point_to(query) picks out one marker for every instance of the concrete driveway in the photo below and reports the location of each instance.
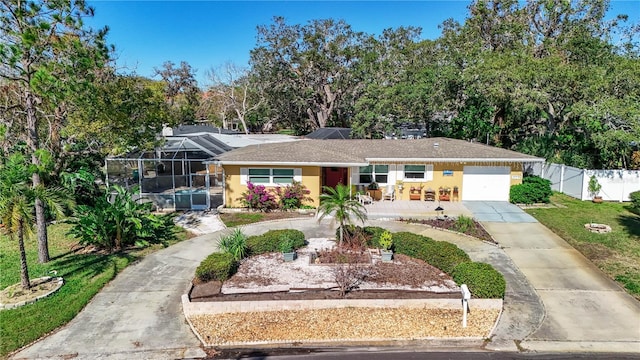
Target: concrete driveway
(498, 211)
(584, 309)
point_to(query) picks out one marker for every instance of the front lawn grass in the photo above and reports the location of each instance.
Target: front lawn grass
(616, 253)
(84, 276)
(245, 218)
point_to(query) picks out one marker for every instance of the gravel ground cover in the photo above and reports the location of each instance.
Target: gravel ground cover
(269, 273)
(350, 324)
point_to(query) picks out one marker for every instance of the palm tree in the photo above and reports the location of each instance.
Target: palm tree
(17, 204)
(338, 202)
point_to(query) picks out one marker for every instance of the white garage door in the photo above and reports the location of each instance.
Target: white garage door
(486, 183)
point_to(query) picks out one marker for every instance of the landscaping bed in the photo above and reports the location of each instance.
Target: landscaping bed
(473, 228)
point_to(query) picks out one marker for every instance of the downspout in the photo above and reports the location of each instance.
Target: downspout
(106, 172)
(207, 183)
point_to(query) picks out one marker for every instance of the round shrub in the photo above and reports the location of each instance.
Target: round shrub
(533, 189)
(217, 266)
(270, 241)
(482, 279)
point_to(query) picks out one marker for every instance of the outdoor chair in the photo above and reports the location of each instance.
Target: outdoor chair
(364, 199)
(390, 193)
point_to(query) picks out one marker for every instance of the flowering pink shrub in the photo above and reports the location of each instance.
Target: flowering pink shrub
(292, 196)
(257, 197)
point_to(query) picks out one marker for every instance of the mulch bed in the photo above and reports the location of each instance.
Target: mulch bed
(403, 271)
(476, 231)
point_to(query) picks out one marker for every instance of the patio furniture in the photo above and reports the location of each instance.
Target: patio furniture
(414, 193)
(444, 194)
(389, 194)
(429, 195)
(375, 194)
(456, 194)
(364, 199)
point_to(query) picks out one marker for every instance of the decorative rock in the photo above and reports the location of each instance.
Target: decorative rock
(598, 228)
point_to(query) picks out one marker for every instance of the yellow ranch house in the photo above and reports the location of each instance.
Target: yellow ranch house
(420, 169)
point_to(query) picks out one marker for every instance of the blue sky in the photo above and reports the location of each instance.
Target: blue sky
(207, 34)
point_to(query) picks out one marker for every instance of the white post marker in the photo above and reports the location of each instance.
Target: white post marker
(466, 295)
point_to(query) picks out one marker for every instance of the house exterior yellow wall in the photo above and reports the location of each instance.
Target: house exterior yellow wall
(311, 178)
(439, 180)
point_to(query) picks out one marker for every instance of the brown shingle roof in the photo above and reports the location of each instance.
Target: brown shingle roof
(359, 152)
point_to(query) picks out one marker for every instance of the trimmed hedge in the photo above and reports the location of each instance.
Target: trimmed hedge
(217, 266)
(482, 279)
(533, 189)
(635, 202)
(441, 254)
(270, 241)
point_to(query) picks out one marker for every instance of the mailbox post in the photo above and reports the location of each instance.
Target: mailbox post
(466, 295)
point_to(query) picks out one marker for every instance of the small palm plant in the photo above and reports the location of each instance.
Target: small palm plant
(17, 203)
(235, 244)
(339, 202)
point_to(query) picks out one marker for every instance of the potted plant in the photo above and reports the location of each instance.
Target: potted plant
(287, 247)
(594, 189)
(374, 191)
(386, 242)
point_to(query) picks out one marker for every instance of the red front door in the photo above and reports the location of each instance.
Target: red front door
(333, 176)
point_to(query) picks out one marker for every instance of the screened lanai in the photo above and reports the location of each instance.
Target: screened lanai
(174, 176)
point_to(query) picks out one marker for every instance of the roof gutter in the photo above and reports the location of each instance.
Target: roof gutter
(286, 163)
(421, 160)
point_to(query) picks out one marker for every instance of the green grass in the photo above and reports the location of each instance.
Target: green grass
(616, 253)
(84, 275)
(236, 219)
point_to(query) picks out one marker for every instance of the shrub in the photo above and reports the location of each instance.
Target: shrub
(373, 235)
(463, 224)
(635, 201)
(234, 244)
(270, 241)
(258, 197)
(443, 255)
(287, 244)
(533, 189)
(217, 266)
(482, 279)
(411, 244)
(386, 240)
(117, 221)
(292, 196)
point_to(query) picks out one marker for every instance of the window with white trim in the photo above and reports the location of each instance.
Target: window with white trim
(418, 172)
(267, 176)
(371, 173)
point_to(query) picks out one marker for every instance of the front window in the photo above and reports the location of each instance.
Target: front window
(271, 176)
(371, 173)
(414, 172)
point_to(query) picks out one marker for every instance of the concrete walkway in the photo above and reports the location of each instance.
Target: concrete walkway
(585, 310)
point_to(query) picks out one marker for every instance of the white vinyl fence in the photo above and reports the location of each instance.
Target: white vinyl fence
(616, 184)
